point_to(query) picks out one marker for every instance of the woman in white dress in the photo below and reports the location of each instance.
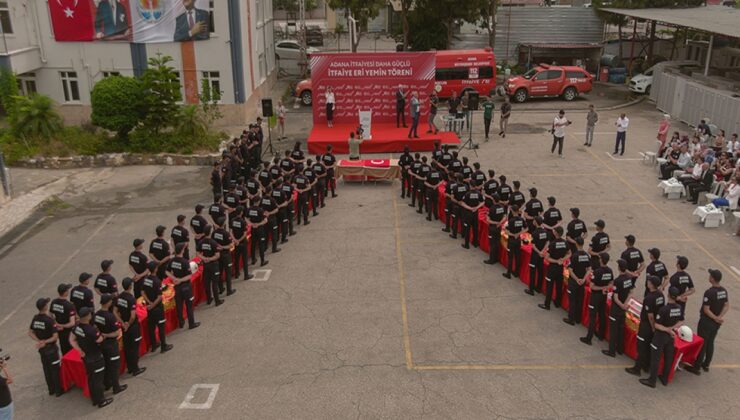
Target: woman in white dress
(329, 107)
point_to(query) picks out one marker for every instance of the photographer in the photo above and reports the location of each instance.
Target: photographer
(6, 402)
(558, 132)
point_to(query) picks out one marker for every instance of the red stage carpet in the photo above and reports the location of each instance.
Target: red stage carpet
(386, 139)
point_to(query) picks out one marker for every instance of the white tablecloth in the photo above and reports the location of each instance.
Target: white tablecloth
(703, 211)
(671, 186)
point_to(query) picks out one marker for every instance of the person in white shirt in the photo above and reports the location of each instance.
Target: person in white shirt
(329, 107)
(733, 145)
(622, 123)
(731, 195)
(558, 132)
(281, 119)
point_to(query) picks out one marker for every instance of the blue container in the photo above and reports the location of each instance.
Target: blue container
(618, 70)
(618, 79)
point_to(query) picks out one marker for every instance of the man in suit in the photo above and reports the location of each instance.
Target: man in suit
(110, 19)
(400, 106)
(193, 24)
(704, 184)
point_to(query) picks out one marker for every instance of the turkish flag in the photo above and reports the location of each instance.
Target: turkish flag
(72, 19)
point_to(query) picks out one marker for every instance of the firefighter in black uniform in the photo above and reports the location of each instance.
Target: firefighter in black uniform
(180, 234)
(179, 272)
(421, 177)
(225, 242)
(461, 188)
(257, 219)
(516, 196)
(137, 263)
(160, 252)
(404, 162)
(504, 191)
(216, 210)
(602, 280)
(330, 163)
(633, 257)
(312, 179)
(85, 339)
(44, 332)
(209, 254)
(287, 189)
(431, 184)
(413, 177)
(557, 253)
(110, 329)
(198, 223)
(125, 311)
(540, 238)
(599, 243)
(496, 217)
(65, 316)
(580, 267)
(651, 304)
(682, 281)
(623, 286)
(239, 230)
(514, 228)
(669, 318)
(151, 291)
(576, 229)
(490, 187)
(551, 216)
(303, 186)
(470, 203)
(532, 209)
(656, 268)
(270, 208)
(81, 296)
(105, 282)
(714, 307)
(320, 170)
(449, 204)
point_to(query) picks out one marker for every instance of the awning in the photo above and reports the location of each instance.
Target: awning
(720, 20)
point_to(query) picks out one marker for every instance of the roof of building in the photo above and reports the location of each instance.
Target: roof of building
(560, 46)
(719, 20)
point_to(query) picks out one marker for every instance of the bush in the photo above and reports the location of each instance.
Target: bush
(34, 117)
(144, 141)
(8, 89)
(117, 104)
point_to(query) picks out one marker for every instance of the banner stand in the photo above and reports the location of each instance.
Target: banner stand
(366, 118)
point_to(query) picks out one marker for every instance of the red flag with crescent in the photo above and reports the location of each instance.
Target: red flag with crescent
(72, 20)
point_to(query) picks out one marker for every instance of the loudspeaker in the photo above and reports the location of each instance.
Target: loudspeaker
(473, 99)
(267, 107)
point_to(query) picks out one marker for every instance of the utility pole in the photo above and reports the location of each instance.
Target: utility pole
(302, 37)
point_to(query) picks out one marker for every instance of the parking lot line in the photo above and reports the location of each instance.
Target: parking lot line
(402, 285)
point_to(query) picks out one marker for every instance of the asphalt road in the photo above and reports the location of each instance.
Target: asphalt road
(372, 312)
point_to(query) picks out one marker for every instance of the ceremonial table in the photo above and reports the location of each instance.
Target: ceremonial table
(368, 169)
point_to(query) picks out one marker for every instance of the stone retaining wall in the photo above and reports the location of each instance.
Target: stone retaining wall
(117, 159)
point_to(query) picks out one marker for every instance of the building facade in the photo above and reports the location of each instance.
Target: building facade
(237, 59)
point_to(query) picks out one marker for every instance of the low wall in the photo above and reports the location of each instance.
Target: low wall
(117, 159)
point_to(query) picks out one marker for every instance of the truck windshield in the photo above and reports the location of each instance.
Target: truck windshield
(528, 75)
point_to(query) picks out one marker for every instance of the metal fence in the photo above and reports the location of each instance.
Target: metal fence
(690, 101)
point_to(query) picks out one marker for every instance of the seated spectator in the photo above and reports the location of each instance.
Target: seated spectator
(704, 184)
(694, 146)
(719, 142)
(723, 167)
(666, 169)
(704, 131)
(731, 195)
(694, 174)
(733, 146)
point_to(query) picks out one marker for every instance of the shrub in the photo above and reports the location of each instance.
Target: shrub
(118, 104)
(8, 89)
(35, 117)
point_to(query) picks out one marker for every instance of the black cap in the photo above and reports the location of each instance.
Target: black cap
(62, 288)
(126, 283)
(85, 276)
(41, 303)
(630, 239)
(715, 274)
(152, 265)
(575, 211)
(655, 281)
(622, 264)
(84, 311)
(106, 298)
(655, 252)
(600, 223)
(674, 292)
(137, 242)
(105, 264)
(682, 261)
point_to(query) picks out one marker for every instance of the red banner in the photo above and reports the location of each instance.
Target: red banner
(368, 81)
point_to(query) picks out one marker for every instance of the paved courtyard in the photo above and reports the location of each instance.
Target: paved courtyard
(373, 312)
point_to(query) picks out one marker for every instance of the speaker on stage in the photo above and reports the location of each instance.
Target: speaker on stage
(267, 107)
(473, 100)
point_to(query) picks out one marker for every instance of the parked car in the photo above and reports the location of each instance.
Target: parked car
(644, 81)
(303, 91)
(290, 49)
(314, 36)
(548, 81)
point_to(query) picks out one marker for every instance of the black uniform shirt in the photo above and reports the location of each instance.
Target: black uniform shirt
(405, 160)
(297, 155)
(309, 173)
(669, 315)
(43, 326)
(472, 198)
(253, 187)
(450, 188)
(198, 222)
(445, 159)
(455, 165)
(504, 192)
(634, 258)
(286, 165)
(208, 247)
(159, 248)
(496, 213)
(576, 228)
(656, 268)
(517, 198)
(715, 298)
(539, 238)
(424, 170)
(460, 190)
(466, 172)
(552, 216)
(126, 303)
(216, 178)
(106, 283)
(602, 276)
(415, 167)
(329, 160)
(216, 210)
(558, 248)
(238, 227)
(479, 177)
(580, 262)
(515, 225)
(264, 177)
(180, 234)
(231, 200)
(87, 336)
(490, 187)
(288, 191)
(255, 214)
(152, 287)
(81, 297)
(622, 286)
(319, 169)
(434, 178)
(651, 304)
(278, 196)
(105, 321)
(437, 154)
(275, 172)
(599, 242)
(268, 203)
(63, 310)
(180, 267)
(138, 261)
(682, 281)
(533, 208)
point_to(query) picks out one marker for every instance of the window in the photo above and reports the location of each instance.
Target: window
(549, 75)
(263, 66)
(211, 20)
(574, 74)
(451, 74)
(485, 72)
(259, 14)
(70, 85)
(27, 83)
(5, 26)
(107, 74)
(213, 78)
(289, 45)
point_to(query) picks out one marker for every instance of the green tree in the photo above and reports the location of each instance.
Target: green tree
(405, 11)
(488, 19)
(191, 124)
(362, 11)
(209, 103)
(448, 13)
(8, 89)
(34, 117)
(161, 92)
(118, 104)
(422, 39)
